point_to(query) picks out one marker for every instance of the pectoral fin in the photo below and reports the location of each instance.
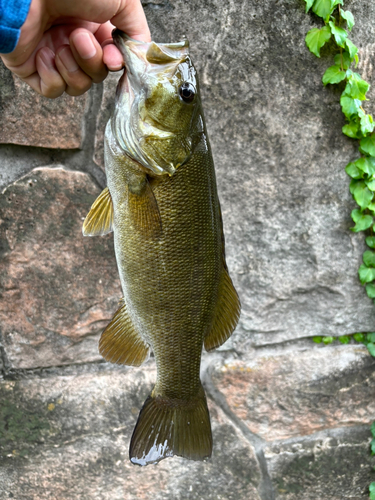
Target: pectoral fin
(121, 343)
(227, 313)
(144, 209)
(99, 221)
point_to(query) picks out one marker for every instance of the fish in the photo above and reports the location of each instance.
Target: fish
(161, 203)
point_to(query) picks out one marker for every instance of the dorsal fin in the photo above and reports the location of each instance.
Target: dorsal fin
(228, 306)
(227, 314)
(99, 221)
(121, 343)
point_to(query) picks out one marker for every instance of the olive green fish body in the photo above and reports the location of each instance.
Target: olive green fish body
(162, 205)
(170, 282)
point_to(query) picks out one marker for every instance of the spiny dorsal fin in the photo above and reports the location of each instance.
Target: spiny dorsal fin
(99, 221)
(227, 314)
(121, 343)
(144, 210)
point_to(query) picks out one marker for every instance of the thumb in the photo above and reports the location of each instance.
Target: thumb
(131, 19)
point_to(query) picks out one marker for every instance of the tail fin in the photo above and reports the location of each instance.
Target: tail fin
(168, 427)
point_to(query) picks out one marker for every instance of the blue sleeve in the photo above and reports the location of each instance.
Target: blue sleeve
(13, 14)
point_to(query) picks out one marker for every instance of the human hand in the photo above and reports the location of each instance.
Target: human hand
(66, 45)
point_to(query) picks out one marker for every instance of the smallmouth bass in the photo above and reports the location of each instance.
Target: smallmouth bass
(161, 203)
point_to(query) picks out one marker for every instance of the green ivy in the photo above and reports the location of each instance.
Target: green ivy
(360, 126)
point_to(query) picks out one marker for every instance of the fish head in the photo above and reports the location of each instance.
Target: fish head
(157, 118)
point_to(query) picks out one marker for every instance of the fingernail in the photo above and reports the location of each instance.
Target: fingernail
(84, 45)
(68, 60)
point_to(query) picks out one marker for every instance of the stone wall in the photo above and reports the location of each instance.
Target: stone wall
(290, 418)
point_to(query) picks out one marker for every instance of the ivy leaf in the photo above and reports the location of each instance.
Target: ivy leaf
(372, 428)
(328, 340)
(349, 106)
(334, 74)
(359, 337)
(362, 194)
(316, 38)
(356, 214)
(370, 290)
(371, 337)
(371, 207)
(371, 350)
(371, 185)
(339, 33)
(366, 274)
(367, 145)
(322, 8)
(343, 59)
(336, 2)
(353, 171)
(348, 16)
(356, 87)
(372, 491)
(351, 129)
(367, 125)
(369, 258)
(344, 339)
(366, 164)
(352, 49)
(309, 5)
(352, 185)
(317, 340)
(363, 223)
(370, 241)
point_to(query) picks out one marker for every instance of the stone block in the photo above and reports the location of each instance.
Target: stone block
(297, 393)
(68, 437)
(336, 466)
(29, 119)
(59, 289)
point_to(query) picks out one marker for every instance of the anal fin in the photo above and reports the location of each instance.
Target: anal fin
(144, 210)
(226, 316)
(121, 343)
(99, 221)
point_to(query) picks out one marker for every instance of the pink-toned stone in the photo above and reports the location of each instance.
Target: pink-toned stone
(106, 109)
(59, 289)
(32, 120)
(301, 392)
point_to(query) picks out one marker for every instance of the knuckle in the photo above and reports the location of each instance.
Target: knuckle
(77, 90)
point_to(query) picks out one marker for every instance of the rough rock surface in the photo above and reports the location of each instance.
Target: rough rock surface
(300, 392)
(335, 466)
(290, 418)
(33, 120)
(69, 439)
(59, 289)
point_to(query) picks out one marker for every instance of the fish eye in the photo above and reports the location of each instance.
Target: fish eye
(187, 92)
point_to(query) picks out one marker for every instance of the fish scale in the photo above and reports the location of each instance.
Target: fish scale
(161, 203)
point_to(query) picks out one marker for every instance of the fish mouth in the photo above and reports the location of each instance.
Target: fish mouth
(135, 51)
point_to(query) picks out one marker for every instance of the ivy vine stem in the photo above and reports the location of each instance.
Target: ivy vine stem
(359, 126)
